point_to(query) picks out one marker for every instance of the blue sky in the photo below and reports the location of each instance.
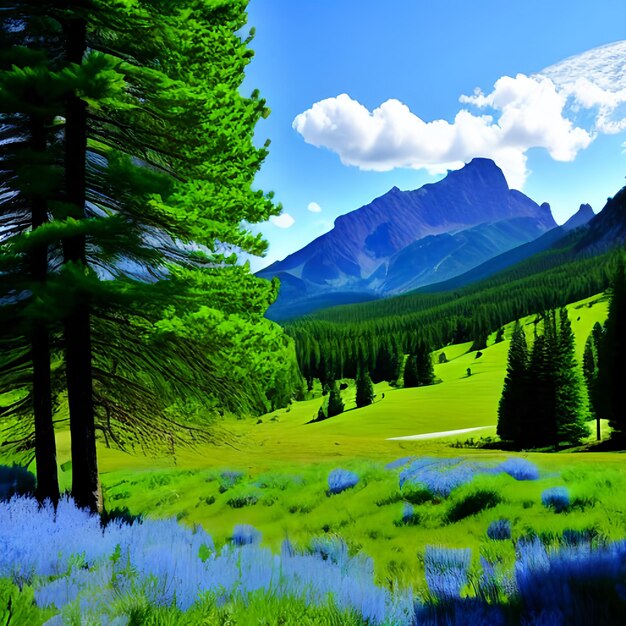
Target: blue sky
(367, 95)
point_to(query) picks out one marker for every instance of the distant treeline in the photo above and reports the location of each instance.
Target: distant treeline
(334, 343)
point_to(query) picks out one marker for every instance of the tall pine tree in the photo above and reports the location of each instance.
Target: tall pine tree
(157, 157)
(411, 373)
(364, 388)
(511, 412)
(570, 413)
(335, 403)
(611, 371)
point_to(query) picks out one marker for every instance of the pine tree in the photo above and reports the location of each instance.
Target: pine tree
(570, 416)
(364, 388)
(156, 147)
(511, 412)
(411, 374)
(611, 372)
(499, 335)
(590, 374)
(30, 97)
(539, 428)
(424, 363)
(388, 363)
(335, 403)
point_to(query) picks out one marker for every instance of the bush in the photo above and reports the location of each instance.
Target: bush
(499, 529)
(228, 479)
(439, 476)
(473, 503)
(573, 585)
(240, 501)
(415, 494)
(556, 498)
(15, 480)
(520, 469)
(339, 480)
(446, 571)
(245, 535)
(409, 516)
(332, 549)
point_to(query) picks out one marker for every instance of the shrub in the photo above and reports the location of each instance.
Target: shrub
(439, 476)
(244, 535)
(520, 469)
(409, 516)
(339, 480)
(15, 480)
(556, 498)
(332, 549)
(499, 529)
(415, 494)
(574, 538)
(446, 571)
(228, 479)
(473, 503)
(240, 501)
(573, 585)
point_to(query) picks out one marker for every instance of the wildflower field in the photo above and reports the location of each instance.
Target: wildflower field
(419, 540)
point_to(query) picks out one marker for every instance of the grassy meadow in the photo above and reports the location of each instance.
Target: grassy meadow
(274, 474)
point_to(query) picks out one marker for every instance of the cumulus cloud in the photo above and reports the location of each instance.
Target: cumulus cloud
(314, 207)
(520, 113)
(284, 220)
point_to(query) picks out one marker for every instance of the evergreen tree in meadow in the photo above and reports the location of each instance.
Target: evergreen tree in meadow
(388, 362)
(424, 364)
(411, 374)
(364, 388)
(31, 95)
(153, 147)
(590, 375)
(542, 402)
(335, 403)
(512, 413)
(612, 348)
(570, 414)
(540, 428)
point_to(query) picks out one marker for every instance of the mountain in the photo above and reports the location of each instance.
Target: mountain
(438, 257)
(583, 216)
(405, 239)
(607, 229)
(501, 262)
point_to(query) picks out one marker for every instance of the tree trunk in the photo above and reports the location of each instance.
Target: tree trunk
(45, 444)
(85, 483)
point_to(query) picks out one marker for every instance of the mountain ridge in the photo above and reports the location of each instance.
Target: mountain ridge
(366, 251)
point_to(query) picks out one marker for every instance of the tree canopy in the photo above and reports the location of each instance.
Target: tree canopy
(128, 161)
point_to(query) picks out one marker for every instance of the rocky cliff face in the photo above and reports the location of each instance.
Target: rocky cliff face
(430, 232)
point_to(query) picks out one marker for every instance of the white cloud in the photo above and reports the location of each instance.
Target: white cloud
(284, 220)
(519, 114)
(595, 82)
(314, 207)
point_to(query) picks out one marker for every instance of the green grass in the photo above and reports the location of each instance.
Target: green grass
(285, 464)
